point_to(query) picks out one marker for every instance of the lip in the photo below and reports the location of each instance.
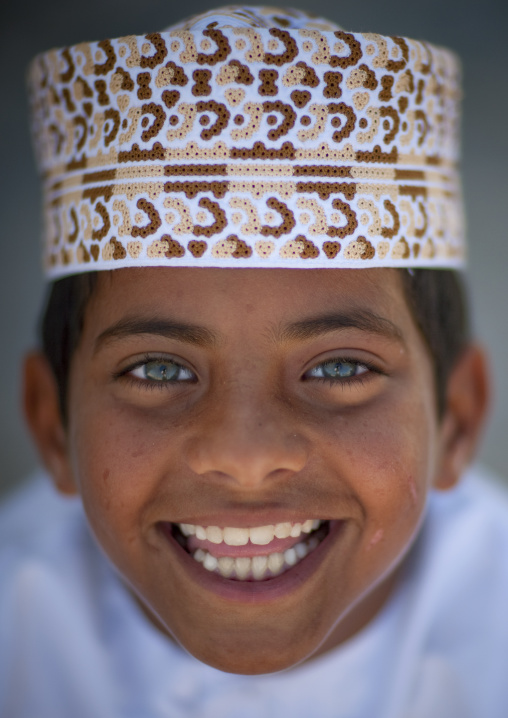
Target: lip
(242, 519)
(254, 592)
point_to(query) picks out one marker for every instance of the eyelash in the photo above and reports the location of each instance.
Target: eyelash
(354, 381)
(146, 384)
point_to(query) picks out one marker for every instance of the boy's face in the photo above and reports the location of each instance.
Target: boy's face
(247, 398)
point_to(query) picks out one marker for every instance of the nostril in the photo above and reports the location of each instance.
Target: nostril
(248, 460)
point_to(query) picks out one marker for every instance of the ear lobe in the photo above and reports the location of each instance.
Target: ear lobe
(44, 419)
(467, 401)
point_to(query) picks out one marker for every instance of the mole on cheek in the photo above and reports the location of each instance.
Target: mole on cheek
(413, 490)
(105, 476)
(376, 538)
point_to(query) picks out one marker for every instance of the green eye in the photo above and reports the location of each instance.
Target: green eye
(161, 371)
(338, 369)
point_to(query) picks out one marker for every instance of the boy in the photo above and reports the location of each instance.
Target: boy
(261, 453)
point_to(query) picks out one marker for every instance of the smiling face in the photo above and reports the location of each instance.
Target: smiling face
(211, 399)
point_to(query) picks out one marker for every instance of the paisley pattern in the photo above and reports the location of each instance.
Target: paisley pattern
(286, 144)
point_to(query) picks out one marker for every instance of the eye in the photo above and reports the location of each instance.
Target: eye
(337, 369)
(161, 371)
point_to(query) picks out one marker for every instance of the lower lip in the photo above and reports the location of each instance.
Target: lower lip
(254, 592)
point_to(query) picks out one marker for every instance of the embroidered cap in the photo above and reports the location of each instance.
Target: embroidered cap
(249, 137)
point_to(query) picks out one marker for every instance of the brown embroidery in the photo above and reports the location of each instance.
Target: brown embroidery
(423, 126)
(310, 78)
(399, 65)
(259, 151)
(67, 75)
(93, 193)
(197, 248)
(144, 91)
(243, 74)
(112, 116)
(333, 81)
(108, 65)
(202, 83)
(391, 133)
(300, 97)
(385, 94)
(82, 124)
(222, 52)
(413, 191)
(82, 88)
(331, 249)
(288, 114)
(268, 86)
(377, 155)
(159, 116)
(288, 219)
(219, 216)
(72, 236)
(348, 126)
(82, 255)
(222, 113)
(126, 80)
(102, 95)
(326, 189)
(403, 103)
(322, 171)
(195, 170)
(288, 55)
(176, 74)
(170, 98)
(355, 49)
(386, 231)
(135, 154)
(419, 93)
(174, 249)
(118, 249)
(155, 221)
(160, 54)
(349, 214)
(242, 251)
(309, 250)
(191, 189)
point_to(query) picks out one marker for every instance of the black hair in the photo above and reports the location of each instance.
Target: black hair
(436, 299)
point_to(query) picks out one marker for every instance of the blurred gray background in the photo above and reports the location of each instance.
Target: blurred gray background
(476, 30)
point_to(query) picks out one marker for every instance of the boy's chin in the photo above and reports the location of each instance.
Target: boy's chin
(248, 651)
(263, 654)
(271, 645)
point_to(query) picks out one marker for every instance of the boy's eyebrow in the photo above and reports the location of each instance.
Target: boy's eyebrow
(130, 326)
(362, 319)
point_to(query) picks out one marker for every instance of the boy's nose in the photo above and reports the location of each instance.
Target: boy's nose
(247, 440)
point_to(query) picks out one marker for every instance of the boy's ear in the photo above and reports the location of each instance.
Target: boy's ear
(467, 399)
(43, 416)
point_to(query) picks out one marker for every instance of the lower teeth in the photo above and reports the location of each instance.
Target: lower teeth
(256, 568)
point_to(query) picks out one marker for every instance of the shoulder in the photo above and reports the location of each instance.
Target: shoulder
(52, 583)
(476, 511)
(45, 549)
(31, 509)
(465, 538)
(456, 587)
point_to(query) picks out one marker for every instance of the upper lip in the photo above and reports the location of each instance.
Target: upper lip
(243, 520)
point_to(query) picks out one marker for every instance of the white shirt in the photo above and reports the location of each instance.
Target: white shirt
(74, 644)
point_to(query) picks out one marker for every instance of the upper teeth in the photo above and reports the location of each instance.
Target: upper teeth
(259, 535)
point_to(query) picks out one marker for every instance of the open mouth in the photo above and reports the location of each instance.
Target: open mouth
(251, 554)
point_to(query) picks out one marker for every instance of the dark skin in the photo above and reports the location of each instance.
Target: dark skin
(251, 429)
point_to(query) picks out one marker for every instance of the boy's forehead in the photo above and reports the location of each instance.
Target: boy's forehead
(285, 304)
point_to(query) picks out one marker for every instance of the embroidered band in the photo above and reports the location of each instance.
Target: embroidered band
(260, 138)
